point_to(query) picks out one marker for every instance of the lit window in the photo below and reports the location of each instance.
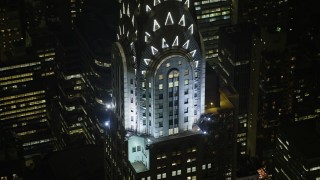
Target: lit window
(154, 50)
(147, 61)
(186, 82)
(160, 86)
(170, 84)
(147, 37)
(193, 53)
(187, 3)
(188, 170)
(160, 77)
(190, 29)
(209, 166)
(175, 74)
(174, 173)
(176, 130)
(178, 172)
(186, 45)
(176, 41)
(156, 2)
(169, 20)
(170, 75)
(148, 8)
(203, 167)
(182, 21)
(168, 65)
(156, 25)
(164, 175)
(170, 131)
(164, 43)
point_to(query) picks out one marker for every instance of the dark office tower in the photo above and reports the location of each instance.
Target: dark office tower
(297, 155)
(273, 13)
(234, 69)
(240, 9)
(10, 26)
(71, 118)
(220, 122)
(34, 14)
(269, 81)
(68, 10)
(84, 78)
(23, 101)
(95, 36)
(211, 15)
(51, 13)
(304, 86)
(11, 159)
(158, 93)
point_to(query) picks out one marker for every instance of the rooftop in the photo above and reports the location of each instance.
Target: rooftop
(139, 166)
(224, 103)
(154, 140)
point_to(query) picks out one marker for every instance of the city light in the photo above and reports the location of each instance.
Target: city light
(107, 123)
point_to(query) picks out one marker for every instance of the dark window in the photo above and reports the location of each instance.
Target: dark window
(160, 124)
(186, 119)
(160, 96)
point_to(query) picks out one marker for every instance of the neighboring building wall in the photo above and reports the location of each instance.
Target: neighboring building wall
(234, 69)
(23, 104)
(211, 15)
(10, 27)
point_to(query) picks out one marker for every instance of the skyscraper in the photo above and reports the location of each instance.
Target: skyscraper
(234, 69)
(269, 76)
(159, 96)
(211, 15)
(23, 102)
(10, 26)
